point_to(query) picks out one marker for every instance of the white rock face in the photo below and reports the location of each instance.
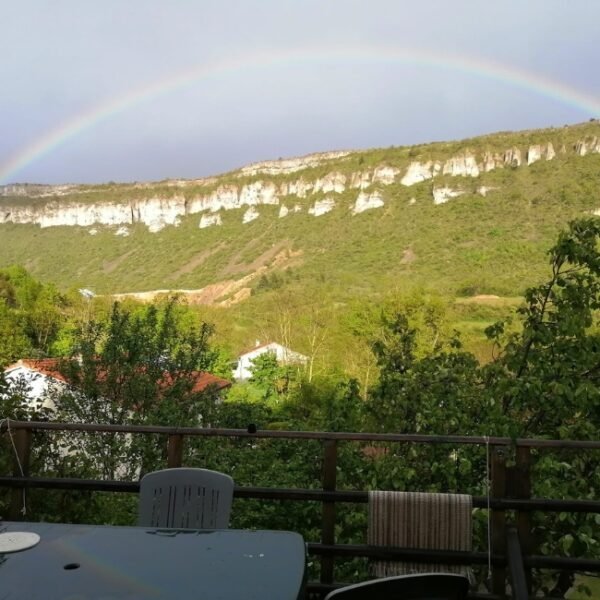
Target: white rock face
(465, 166)
(122, 231)
(417, 172)
(360, 180)
(321, 207)
(587, 146)
(209, 221)
(224, 197)
(56, 214)
(367, 202)
(259, 192)
(228, 197)
(250, 215)
(153, 212)
(283, 211)
(512, 157)
(300, 188)
(385, 175)
(443, 194)
(488, 164)
(581, 148)
(534, 154)
(332, 182)
(156, 213)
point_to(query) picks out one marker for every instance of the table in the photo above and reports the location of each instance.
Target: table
(77, 562)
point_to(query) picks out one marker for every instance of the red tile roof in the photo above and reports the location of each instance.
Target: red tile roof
(50, 368)
(45, 366)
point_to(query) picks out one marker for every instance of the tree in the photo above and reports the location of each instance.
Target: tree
(31, 314)
(544, 383)
(138, 367)
(14, 342)
(273, 381)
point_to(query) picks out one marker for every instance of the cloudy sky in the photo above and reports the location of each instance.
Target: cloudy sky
(128, 90)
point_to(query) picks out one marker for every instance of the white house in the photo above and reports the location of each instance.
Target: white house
(40, 377)
(284, 355)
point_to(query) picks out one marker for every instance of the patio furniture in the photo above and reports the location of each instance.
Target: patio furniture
(97, 562)
(421, 521)
(424, 586)
(185, 498)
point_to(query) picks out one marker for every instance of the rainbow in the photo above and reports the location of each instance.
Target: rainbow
(505, 74)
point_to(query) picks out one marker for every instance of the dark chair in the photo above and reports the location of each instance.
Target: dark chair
(424, 586)
(185, 499)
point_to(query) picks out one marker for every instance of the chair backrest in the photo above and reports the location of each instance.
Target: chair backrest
(185, 498)
(420, 521)
(430, 586)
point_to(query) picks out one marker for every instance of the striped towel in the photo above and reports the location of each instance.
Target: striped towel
(422, 521)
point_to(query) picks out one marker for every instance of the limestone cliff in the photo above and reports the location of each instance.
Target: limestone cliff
(284, 183)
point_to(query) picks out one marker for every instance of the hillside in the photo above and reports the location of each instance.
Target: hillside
(467, 217)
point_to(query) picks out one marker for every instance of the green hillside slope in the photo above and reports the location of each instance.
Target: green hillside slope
(492, 244)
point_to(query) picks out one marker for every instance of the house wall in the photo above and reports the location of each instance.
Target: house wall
(39, 385)
(284, 356)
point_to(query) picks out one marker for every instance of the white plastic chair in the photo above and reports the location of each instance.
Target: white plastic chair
(185, 498)
(430, 586)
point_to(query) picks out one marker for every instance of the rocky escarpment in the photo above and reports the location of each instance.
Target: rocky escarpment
(290, 165)
(28, 190)
(275, 184)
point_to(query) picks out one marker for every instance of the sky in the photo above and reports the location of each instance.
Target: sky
(139, 90)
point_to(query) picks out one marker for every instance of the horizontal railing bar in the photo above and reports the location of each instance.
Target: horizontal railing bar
(394, 553)
(315, 435)
(67, 483)
(449, 556)
(559, 562)
(264, 493)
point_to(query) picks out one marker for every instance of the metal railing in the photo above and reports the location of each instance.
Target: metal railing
(512, 544)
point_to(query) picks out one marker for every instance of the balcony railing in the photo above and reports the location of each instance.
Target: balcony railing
(512, 550)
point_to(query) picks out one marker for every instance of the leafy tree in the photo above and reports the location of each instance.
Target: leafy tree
(546, 378)
(14, 342)
(544, 383)
(33, 311)
(137, 368)
(273, 380)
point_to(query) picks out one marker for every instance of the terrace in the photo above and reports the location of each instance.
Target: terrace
(508, 470)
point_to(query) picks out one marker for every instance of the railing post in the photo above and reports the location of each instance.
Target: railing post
(522, 490)
(22, 443)
(175, 450)
(328, 526)
(518, 581)
(498, 518)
